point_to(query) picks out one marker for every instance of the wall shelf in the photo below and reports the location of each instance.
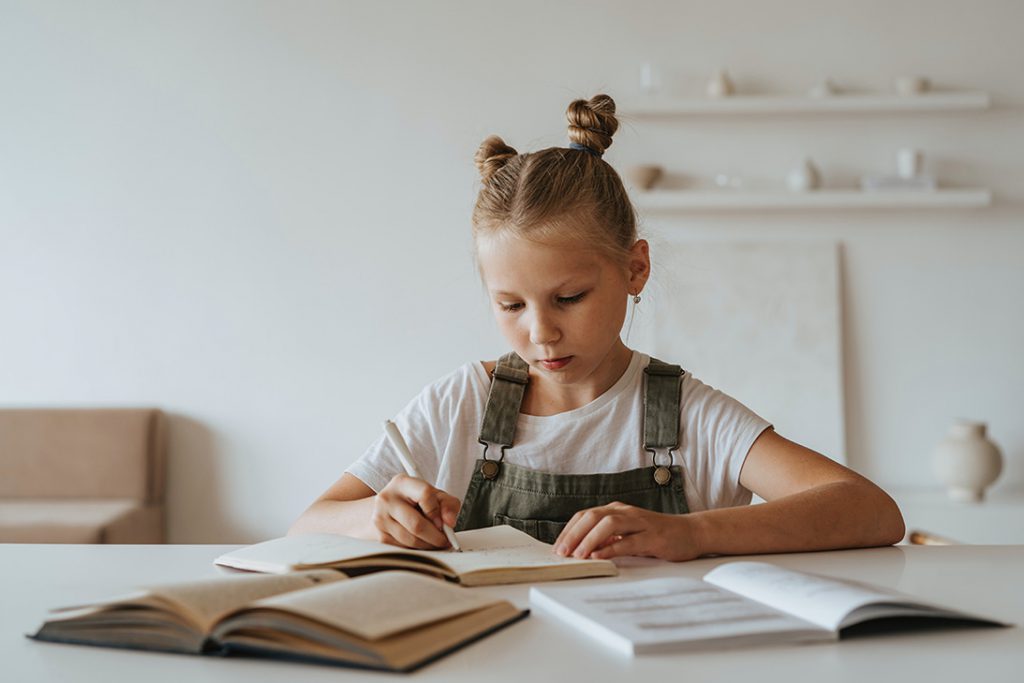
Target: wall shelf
(790, 104)
(998, 520)
(725, 200)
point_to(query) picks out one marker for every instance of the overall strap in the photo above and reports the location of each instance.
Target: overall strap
(662, 395)
(510, 377)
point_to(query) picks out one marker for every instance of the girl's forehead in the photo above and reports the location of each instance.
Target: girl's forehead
(511, 248)
(509, 263)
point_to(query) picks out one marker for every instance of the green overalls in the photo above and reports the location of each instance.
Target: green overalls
(541, 503)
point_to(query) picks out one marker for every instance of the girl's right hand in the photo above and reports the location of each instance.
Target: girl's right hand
(410, 512)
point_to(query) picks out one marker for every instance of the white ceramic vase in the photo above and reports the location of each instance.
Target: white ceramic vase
(720, 85)
(804, 177)
(909, 163)
(966, 461)
(824, 88)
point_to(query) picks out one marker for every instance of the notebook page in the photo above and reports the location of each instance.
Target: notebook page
(501, 547)
(378, 605)
(498, 547)
(821, 600)
(494, 537)
(279, 555)
(653, 614)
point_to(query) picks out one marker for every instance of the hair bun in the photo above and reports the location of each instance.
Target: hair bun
(492, 156)
(592, 122)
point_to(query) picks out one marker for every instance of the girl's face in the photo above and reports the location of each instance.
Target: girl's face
(561, 307)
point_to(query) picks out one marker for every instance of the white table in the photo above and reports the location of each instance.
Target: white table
(983, 579)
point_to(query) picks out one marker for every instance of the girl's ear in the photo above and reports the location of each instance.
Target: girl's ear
(639, 266)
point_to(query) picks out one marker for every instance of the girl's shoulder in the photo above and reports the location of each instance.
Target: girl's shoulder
(468, 378)
(452, 394)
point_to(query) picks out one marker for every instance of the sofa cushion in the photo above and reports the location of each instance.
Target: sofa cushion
(62, 521)
(82, 453)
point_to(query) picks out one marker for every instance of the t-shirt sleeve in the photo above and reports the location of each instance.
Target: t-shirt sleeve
(425, 425)
(722, 430)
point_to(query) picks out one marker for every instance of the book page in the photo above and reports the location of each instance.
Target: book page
(201, 603)
(653, 614)
(378, 605)
(209, 600)
(819, 599)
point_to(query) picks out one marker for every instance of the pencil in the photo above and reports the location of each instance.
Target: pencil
(398, 441)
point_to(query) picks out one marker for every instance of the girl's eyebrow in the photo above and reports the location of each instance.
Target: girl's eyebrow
(575, 279)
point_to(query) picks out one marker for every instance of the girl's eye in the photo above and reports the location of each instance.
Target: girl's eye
(510, 308)
(575, 299)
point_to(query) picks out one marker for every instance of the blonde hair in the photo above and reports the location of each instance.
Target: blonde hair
(558, 194)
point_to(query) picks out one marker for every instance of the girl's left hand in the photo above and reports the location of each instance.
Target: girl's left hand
(618, 529)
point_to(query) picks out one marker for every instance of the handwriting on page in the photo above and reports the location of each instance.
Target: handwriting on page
(515, 556)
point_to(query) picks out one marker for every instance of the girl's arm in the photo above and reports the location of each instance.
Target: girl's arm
(408, 512)
(812, 503)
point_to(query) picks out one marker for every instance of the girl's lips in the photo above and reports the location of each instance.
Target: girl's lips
(556, 363)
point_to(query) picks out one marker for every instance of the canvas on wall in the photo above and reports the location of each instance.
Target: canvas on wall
(761, 322)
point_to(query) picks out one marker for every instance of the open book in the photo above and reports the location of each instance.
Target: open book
(493, 555)
(389, 620)
(738, 603)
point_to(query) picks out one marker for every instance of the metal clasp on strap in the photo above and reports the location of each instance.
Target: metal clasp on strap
(662, 473)
(491, 468)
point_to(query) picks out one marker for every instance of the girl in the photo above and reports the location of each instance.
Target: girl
(573, 437)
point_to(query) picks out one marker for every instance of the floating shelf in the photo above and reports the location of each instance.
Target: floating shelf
(723, 200)
(787, 104)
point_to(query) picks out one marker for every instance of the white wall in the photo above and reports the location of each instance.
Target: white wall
(255, 214)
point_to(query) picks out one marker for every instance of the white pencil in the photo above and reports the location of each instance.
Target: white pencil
(398, 441)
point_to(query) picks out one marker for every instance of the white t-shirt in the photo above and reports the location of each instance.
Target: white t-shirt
(441, 426)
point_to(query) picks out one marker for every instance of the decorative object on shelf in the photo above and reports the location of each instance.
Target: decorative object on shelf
(650, 78)
(909, 162)
(804, 177)
(909, 176)
(720, 85)
(824, 88)
(728, 180)
(912, 85)
(966, 461)
(644, 176)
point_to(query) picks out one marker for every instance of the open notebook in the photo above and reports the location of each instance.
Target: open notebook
(738, 603)
(387, 620)
(494, 555)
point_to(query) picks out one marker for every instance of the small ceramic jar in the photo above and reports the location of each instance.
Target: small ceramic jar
(804, 177)
(966, 461)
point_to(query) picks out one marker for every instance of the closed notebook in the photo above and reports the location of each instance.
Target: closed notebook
(388, 620)
(738, 603)
(495, 555)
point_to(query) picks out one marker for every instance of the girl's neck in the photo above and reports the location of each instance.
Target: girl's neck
(546, 397)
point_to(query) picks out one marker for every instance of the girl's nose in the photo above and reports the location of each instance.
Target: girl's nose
(543, 331)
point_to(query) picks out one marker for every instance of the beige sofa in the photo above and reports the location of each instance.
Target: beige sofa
(82, 475)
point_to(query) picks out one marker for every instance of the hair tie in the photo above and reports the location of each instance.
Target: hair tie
(584, 148)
